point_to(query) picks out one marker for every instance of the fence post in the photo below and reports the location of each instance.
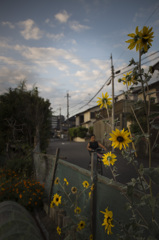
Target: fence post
(53, 178)
(93, 194)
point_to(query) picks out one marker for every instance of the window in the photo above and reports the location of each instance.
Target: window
(92, 114)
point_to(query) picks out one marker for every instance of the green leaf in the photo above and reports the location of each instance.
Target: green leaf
(153, 173)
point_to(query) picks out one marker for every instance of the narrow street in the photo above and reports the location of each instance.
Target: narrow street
(76, 153)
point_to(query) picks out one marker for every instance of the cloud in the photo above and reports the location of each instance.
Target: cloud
(31, 31)
(9, 24)
(62, 17)
(49, 22)
(76, 26)
(55, 37)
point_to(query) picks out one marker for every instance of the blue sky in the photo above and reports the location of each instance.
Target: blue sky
(64, 46)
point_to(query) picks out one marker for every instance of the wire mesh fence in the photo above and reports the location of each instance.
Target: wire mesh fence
(106, 195)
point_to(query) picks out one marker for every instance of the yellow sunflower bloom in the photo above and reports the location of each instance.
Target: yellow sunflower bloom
(66, 182)
(57, 180)
(134, 41)
(146, 36)
(92, 187)
(57, 199)
(91, 237)
(85, 184)
(81, 225)
(58, 230)
(120, 138)
(127, 79)
(52, 204)
(108, 218)
(90, 194)
(104, 101)
(77, 210)
(109, 159)
(74, 190)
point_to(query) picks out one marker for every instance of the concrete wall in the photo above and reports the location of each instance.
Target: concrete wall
(152, 94)
(101, 131)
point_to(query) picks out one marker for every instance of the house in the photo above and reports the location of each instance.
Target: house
(153, 95)
(155, 67)
(122, 107)
(87, 117)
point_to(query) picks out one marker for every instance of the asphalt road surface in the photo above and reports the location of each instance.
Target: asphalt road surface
(76, 153)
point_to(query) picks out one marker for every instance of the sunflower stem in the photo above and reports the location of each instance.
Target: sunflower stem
(65, 192)
(137, 120)
(112, 173)
(147, 118)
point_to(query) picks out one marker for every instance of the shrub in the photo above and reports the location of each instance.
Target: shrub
(73, 132)
(78, 132)
(25, 191)
(82, 132)
(90, 130)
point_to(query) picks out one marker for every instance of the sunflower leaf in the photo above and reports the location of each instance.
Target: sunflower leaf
(152, 173)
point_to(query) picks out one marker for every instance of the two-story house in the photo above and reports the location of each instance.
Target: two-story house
(87, 117)
(122, 107)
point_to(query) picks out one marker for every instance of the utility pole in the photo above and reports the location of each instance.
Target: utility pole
(68, 108)
(60, 120)
(112, 67)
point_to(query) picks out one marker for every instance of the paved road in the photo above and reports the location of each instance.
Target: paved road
(72, 152)
(76, 153)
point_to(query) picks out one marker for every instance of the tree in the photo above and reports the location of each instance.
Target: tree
(25, 120)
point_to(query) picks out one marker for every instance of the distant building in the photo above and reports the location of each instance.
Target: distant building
(57, 122)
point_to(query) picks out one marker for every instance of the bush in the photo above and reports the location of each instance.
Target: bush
(82, 132)
(73, 132)
(24, 191)
(90, 130)
(78, 132)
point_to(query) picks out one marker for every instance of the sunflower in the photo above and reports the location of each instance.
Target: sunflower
(108, 218)
(92, 187)
(57, 180)
(81, 225)
(58, 230)
(57, 199)
(104, 101)
(120, 138)
(135, 39)
(146, 36)
(90, 194)
(77, 210)
(52, 204)
(66, 182)
(109, 159)
(85, 184)
(127, 79)
(91, 237)
(74, 190)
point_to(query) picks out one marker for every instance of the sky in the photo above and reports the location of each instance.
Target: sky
(63, 47)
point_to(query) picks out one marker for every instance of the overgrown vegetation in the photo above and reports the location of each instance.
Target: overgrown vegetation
(25, 120)
(24, 191)
(78, 132)
(142, 191)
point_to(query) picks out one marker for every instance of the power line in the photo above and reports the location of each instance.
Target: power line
(96, 93)
(121, 73)
(107, 81)
(141, 60)
(151, 15)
